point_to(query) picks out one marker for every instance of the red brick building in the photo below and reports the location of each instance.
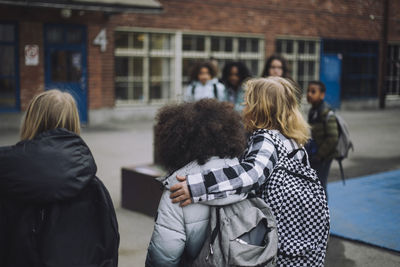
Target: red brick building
(124, 58)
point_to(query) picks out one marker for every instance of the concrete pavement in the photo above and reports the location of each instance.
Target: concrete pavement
(376, 139)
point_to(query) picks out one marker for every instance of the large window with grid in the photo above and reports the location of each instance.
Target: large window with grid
(195, 47)
(153, 66)
(303, 58)
(393, 71)
(143, 66)
(9, 92)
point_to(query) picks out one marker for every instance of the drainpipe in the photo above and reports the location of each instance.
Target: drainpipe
(383, 55)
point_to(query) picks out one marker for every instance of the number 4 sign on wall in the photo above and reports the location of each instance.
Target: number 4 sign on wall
(101, 40)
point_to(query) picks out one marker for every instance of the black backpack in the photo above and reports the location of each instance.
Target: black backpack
(97, 230)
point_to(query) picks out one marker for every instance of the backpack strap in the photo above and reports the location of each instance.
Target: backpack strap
(216, 230)
(339, 160)
(193, 89)
(281, 148)
(341, 170)
(215, 90)
(294, 152)
(328, 115)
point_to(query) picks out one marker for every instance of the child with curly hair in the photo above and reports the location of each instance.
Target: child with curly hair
(204, 83)
(191, 138)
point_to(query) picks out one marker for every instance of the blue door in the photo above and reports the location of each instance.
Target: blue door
(65, 63)
(330, 74)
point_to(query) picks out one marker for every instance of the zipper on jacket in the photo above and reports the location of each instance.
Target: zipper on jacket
(38, 225)
(42, 214)
(210, 253)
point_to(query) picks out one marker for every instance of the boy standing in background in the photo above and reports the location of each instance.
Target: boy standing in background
(324, 131)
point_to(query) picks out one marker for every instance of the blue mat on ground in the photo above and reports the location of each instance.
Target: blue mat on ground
(367, 209)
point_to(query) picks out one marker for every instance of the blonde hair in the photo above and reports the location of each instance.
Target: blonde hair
(270, 103)
(50, 110)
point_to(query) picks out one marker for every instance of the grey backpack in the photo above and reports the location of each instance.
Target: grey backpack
(240, 234)
(344, 142)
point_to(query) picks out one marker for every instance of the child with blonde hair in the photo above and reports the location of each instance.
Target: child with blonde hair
(278, 132)
(57, 212)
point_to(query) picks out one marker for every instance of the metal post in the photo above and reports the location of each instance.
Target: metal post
(383, 55)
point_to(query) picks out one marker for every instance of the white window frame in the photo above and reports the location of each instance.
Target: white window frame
(176, 54)
(234, 55)
(146, 54)
(393, 93)
(295, 57)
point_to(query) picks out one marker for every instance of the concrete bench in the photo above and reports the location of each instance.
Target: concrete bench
(141, 191)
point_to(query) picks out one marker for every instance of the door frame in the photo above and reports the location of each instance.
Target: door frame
(82, 47)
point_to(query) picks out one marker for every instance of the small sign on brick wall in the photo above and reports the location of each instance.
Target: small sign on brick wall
(31, 55)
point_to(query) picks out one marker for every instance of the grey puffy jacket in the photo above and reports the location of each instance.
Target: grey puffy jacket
(183, 230)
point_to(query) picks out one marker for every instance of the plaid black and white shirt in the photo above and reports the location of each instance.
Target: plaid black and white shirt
(252, 171)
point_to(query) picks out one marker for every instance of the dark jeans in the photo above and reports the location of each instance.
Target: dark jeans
(322, 168)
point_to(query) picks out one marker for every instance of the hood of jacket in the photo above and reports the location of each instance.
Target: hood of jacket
(55, 165)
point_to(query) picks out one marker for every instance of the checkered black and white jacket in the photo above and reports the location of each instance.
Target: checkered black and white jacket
(255, 166)
(287, 184)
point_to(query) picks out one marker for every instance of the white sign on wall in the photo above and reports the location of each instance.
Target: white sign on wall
(31, 55)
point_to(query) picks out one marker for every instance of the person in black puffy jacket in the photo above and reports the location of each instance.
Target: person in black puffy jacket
(54, 211)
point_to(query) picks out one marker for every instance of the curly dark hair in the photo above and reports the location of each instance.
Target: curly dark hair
(196, 131)
(268, 63)
(243, 72)
(203, 64)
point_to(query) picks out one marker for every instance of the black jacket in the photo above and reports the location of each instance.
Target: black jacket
(54, 211)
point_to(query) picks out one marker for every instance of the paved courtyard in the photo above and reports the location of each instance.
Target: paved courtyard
(377, 149)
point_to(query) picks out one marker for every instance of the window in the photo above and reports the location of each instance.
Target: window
(66, 66)
(359, 66)
(143, 66)
(249, 50)
(303, 59)
(9, 99)
(151, 67)
(393, 70)
(221, 44)
(193, 43)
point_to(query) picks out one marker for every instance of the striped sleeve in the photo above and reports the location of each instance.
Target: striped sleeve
(249, 174)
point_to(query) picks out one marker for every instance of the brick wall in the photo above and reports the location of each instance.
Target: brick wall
(340, 19)
(108, 87)
(100, 66)
(394, 21)
(94, 61)
(31, 77)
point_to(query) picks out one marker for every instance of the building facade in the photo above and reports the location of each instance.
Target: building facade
(121, 60)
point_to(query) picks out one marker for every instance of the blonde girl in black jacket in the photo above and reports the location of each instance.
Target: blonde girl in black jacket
(54, 211)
